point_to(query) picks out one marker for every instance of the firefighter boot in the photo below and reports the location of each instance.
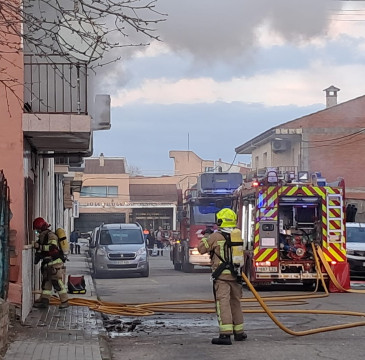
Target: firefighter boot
(222, 340)
(240, 337)
(64, 305)
(42, 304)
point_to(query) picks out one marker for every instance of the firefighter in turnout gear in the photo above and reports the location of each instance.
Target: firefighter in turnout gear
(48, 251)
(227, 280)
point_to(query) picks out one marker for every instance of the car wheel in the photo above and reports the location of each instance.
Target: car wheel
(177, 266)
(187, 267)
(95, 273)
(146, 272)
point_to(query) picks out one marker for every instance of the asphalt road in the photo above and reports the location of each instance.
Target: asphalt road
(182, 336)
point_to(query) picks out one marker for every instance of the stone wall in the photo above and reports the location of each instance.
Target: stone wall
(4, 323)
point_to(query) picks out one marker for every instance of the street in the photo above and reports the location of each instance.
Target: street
(187, 336)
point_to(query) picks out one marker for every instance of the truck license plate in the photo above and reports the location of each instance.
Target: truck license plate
(267, 269)
(122, 262)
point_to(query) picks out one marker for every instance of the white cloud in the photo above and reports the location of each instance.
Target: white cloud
(156, 48)
(285, 87)
(244, 59)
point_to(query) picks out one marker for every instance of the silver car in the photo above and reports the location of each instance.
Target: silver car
(355, 247)
(119, 248)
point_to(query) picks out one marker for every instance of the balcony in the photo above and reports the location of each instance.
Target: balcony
(55, 118)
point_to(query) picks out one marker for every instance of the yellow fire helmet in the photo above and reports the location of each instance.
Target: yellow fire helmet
(226, 218)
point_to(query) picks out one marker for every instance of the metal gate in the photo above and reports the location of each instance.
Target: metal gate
(4, 236)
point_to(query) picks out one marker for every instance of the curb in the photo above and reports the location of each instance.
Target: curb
(105, 350)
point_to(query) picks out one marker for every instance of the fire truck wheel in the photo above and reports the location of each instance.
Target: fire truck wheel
(249, 276)
(308, 284)
(177, 266)
(187, 268)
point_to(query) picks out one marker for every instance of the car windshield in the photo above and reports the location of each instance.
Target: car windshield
(121, 236)
(355, 234)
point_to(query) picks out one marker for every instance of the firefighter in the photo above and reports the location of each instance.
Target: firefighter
(227, 281)
(48, 251)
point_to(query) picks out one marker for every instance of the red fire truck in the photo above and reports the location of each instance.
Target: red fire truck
(211, 193)
(280, 215)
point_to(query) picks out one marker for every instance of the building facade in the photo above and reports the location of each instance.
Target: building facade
(330, 141)
(46, 126)
(110, 194)
(188, 166)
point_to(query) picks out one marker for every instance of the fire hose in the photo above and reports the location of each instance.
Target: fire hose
(199, 306)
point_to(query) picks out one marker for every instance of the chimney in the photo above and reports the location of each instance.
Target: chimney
(331, 96)
(101, 159)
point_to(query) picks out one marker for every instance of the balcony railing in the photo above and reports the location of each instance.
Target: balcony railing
(54, 86)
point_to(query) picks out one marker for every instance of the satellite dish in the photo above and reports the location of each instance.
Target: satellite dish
(77, 37)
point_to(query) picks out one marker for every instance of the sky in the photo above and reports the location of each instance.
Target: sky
(226, 71)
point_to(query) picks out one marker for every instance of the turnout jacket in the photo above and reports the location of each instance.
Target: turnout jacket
(215, 245)
(49, 249)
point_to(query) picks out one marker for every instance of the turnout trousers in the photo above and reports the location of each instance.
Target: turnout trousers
(53, 278)
(227, 294)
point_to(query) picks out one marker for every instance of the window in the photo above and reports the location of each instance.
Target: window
(208, 169)
(204, 211)
(99, 191)
(121, 236)
(355, 234)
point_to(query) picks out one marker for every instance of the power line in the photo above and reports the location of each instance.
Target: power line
(232, 161)
(338, 138)
(341, 143)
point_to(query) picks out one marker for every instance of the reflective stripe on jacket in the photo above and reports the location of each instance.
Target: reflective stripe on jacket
(48, 242)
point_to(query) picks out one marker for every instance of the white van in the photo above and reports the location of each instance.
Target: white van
(355, 247)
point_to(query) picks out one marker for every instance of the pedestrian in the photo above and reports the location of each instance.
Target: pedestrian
(74, 242)
(227, 282)
(159, 241)
(150, 242)
(145, 233)
(48, 251)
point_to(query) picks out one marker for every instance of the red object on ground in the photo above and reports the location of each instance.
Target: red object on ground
(342, 274)
(76, 284)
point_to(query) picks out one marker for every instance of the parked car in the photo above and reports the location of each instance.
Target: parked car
(119, 248)
(355, 247)
(94, 235)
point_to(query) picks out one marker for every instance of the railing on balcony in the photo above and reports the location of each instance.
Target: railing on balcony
(54, 85)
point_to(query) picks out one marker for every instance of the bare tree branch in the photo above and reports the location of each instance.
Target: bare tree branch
(88, 31)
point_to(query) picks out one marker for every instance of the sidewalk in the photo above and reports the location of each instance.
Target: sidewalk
(70, 334)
